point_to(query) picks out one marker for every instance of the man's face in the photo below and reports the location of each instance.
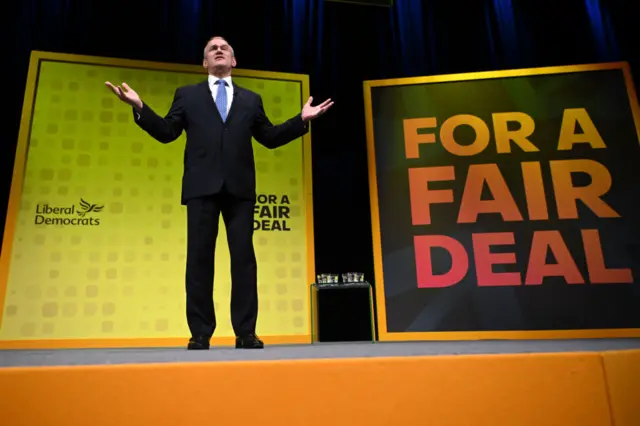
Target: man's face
(218, 54)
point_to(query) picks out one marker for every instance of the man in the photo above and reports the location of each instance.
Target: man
(219, 118)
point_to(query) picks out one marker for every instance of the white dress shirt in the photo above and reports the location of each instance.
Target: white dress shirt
(214, 89)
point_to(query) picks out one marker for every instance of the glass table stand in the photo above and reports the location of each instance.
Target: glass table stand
(317, 287)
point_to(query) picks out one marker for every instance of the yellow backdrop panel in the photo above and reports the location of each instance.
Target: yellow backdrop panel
(97, 240)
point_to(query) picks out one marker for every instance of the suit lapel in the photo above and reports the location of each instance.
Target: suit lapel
(205, 93)
(236, 104)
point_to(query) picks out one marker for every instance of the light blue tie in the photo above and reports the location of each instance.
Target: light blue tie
(221, 99)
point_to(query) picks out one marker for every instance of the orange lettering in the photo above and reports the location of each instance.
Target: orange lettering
(413, 139)
(534, 191)
(472, 203)
(566, 194)
(504, 136)
(569, 137)
(477, 146)
(421, 197)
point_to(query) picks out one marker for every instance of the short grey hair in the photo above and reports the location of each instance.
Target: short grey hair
(209, 41)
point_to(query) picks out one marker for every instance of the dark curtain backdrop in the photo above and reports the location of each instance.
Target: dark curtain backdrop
(339, 45)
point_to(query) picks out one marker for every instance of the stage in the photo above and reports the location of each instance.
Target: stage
(515, 383)
(78, 357)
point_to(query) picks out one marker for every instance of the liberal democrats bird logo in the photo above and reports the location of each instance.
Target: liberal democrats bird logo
(88, 208)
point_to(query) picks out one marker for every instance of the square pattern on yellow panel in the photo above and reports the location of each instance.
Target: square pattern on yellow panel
(100, 237)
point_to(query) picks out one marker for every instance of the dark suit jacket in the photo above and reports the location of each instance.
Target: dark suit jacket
(218, 153)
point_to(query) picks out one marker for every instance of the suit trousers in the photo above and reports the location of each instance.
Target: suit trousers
(203, 216)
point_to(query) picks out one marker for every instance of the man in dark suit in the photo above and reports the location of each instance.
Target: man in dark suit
(219, 118)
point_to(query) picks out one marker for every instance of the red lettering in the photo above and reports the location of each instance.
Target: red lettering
(485, 260)
(424, 266)
(598, 272)
(538, 267)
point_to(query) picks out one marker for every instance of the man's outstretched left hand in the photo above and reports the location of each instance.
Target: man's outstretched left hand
(310, 112)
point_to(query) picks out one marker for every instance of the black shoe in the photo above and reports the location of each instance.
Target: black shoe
(250, 341)
(198, 343)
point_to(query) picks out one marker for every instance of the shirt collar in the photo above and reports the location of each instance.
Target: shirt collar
(213, 79)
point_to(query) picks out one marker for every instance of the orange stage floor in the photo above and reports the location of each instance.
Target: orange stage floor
(581, 388)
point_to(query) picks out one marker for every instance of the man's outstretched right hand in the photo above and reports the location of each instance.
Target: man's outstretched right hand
(127, 95)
